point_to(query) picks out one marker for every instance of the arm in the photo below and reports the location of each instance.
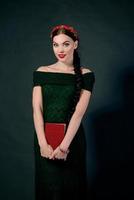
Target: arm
(37, 114)
(76, 118)
(74, 124)
(38, 120)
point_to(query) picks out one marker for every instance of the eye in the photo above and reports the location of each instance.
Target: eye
(55, 45)
(66, 44)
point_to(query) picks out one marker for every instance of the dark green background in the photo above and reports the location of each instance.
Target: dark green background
(106, 31)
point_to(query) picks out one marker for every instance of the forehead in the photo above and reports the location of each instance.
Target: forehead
(62, 38)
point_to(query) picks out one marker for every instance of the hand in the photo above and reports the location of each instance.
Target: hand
(58, 154)
(46, 151)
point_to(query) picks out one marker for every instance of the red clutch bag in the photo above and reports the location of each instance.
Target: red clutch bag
(54, 133)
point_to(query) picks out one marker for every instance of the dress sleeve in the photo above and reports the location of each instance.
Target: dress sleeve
(88, 81)
(36, 79)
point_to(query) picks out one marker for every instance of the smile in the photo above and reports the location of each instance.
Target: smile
(61, 55)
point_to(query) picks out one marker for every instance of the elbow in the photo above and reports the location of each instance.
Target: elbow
(80, 111)
(37, 110)
(78, 114)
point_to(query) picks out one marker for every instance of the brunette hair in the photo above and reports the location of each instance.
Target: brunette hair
(71, 32)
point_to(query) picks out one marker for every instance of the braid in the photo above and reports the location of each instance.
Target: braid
(78, 84)
(71, 32)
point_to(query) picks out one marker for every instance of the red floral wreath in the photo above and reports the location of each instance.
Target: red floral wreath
(65, 27)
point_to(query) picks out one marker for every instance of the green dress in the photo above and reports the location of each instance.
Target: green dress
(58, 179)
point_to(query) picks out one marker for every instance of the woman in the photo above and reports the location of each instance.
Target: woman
(61, 94)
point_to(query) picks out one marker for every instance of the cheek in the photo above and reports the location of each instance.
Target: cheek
(54, 50)
(70, 51)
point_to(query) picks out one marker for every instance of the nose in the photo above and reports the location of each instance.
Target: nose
(61, 49)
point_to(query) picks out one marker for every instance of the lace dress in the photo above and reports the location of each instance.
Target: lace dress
(58, 179)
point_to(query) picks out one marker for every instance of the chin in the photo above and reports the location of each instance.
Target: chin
(62, 59)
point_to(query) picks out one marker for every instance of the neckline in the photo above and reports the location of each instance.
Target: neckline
(62, 73)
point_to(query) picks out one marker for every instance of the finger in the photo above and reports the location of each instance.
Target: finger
(50, 149)
(44, 156)
(52, 156)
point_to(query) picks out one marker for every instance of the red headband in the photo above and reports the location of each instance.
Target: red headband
(65, 27)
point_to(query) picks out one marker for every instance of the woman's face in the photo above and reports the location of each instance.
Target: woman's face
(63, 47)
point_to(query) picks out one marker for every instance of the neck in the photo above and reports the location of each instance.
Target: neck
(65, 66)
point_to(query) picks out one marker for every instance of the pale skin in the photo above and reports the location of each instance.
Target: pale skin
(61, 44)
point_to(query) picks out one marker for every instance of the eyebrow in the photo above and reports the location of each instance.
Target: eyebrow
(63, 42)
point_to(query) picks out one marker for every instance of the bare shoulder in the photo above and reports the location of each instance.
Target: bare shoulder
(48, 68)
(85, 70)
(42, 69)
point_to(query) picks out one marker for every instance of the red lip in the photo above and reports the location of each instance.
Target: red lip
(61, 55)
